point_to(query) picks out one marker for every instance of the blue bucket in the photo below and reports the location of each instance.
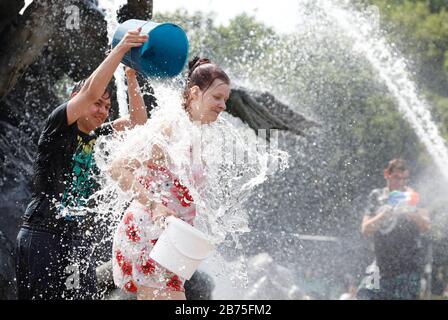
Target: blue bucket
(163, 55)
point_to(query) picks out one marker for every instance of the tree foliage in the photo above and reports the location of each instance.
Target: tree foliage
(420, 27)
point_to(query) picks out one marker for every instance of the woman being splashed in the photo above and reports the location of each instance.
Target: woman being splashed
(158, 192)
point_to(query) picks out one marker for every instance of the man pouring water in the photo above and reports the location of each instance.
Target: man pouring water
(53, 255)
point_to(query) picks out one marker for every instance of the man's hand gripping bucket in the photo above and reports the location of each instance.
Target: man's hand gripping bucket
(163, 55)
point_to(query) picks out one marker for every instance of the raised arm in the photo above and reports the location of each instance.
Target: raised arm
(137, 110)
(96, 84)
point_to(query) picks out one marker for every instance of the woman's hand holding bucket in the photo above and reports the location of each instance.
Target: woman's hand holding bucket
(130, 73)
(160, 213)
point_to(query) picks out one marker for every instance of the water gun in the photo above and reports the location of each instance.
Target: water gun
(410, 198)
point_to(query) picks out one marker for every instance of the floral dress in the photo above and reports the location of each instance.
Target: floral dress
(137, 234)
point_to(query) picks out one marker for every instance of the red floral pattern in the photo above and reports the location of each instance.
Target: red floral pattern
(132, 233)
(126, 268)
(148, 266)
(120, 258)
(181, 193)
(130, 286)
(174, 283)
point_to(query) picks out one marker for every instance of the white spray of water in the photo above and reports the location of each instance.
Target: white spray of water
(110, 8)
(319, 20)
(392, 70)
(234, 160)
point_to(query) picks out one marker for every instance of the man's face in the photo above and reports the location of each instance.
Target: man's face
(397, 179)
(96, 113)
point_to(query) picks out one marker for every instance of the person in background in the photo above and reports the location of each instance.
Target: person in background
(396, 230)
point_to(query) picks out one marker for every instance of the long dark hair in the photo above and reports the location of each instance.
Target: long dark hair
(202, 73)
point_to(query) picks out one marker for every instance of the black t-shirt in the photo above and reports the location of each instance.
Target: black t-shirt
(64, 174)
(399, 249)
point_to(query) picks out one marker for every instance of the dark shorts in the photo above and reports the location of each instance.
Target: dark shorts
(53, 266)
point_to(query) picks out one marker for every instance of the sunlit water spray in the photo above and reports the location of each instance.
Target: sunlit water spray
(392, 70)
(220, 212)
(233, 160)
(331, 37)
(110, 10)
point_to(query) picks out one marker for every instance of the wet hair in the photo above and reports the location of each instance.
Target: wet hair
(77, 87)
(397, 165)
(202, 73)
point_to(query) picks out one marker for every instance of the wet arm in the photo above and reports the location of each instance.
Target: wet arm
(96, 84)
(137, 109)
(122, 171)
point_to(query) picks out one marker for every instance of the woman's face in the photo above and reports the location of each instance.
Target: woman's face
(206, 106)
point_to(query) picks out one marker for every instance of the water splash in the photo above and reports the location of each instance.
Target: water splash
(110, 10)
(314, 66)
(363, 41)
(391, 68)
(234, 164)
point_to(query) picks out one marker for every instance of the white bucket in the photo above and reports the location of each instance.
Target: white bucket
(181, 248)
